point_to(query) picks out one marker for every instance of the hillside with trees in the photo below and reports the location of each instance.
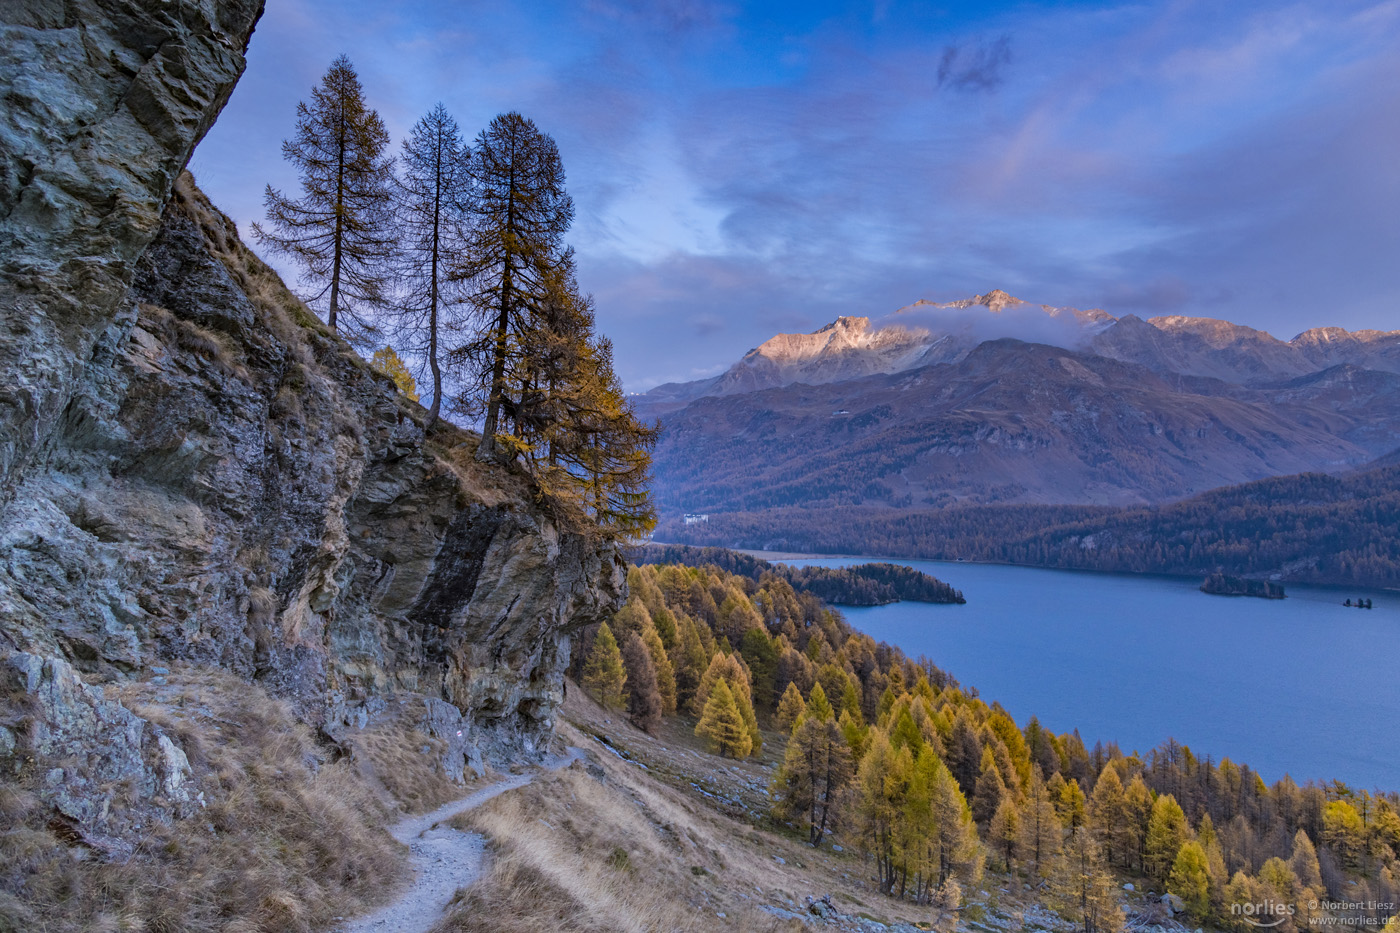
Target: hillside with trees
(1308, 528)
(860, 585)
(937, 786)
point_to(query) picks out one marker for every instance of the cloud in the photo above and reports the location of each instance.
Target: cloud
(742, 168)
(706, 325)
(980, 68)
(1029, 322)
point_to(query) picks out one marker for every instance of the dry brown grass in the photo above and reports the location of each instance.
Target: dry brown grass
(603, 848)
(287, 842)
(404, 762)
(618, 846)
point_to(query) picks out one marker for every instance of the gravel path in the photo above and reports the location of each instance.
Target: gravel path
(444, 859)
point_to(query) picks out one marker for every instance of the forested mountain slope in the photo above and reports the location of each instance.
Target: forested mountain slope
(1310, 527)
(1014, 422)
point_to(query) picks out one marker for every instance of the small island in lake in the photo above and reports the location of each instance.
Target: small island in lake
(1222, 584)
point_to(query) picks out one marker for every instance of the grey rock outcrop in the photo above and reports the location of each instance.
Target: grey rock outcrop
(96, 759)
(104, 102)
(196, 473)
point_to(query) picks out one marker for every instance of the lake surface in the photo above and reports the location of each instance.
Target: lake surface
(1303, 686)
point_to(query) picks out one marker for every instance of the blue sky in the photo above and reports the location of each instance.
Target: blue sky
(741, 169)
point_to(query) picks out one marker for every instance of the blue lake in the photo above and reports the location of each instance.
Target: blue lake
(1303, 686)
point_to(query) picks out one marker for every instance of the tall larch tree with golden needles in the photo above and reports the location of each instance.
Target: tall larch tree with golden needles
(603, 673)
(722, 725)
(520, 213)
(815, 771)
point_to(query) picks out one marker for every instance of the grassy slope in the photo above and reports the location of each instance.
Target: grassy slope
(654, 833)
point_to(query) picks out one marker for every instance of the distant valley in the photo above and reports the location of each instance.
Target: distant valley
(937, 406)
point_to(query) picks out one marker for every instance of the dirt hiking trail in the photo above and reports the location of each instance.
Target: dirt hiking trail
(444, 859)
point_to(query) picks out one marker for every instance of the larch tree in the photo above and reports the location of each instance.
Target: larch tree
(1040, 829)
(958, 848)
(990, 789)
(881, 789)
(1083, 891)
(643, 697)
(591, 438)
(1137, 816)
(815, 771)
(388, 363)
(1190, 879)
(689, 662)
(661, 662)
(855, 732)
(1343, 832)
(917, 835)
(818, 707)
(1108, 818)
(1304, 861)
(520, 213)
(729, 669)
(1072, 808)
(338, 231)
(790, 707)
(722, 725)
(603, 673)
(1167, 832)
(1004, 832)
(430, 211)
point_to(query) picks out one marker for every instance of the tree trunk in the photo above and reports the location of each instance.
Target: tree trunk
(339, 213)
(487, 450)
(433, 295)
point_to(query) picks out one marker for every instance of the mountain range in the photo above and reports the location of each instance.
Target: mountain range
(997, 400)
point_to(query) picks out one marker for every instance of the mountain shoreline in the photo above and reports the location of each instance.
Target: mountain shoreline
(779, 557)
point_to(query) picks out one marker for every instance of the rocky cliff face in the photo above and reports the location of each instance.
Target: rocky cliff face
(197, 474)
